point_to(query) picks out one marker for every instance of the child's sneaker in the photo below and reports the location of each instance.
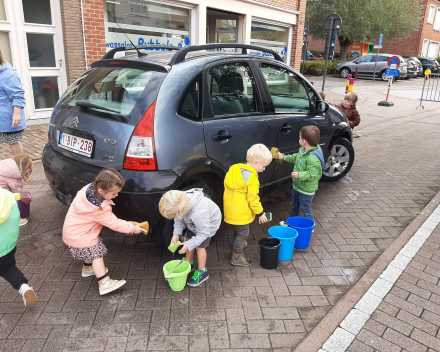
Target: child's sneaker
(23, 221)
(283, 223)
(240, 260)
(88, 271)
(107, 285)
(198, 277)
(28, 295)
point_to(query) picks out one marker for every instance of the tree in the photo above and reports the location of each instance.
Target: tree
(365, 19)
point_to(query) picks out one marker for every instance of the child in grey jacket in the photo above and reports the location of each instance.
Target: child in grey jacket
(201, 216)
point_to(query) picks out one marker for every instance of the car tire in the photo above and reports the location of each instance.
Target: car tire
(339, 161)
(383, 76)
(167, 226)
(344, 72)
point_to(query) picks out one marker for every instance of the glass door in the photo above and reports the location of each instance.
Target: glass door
(41, 49)
(222, 27)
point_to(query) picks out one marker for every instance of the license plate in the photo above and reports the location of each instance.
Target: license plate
(76, 144)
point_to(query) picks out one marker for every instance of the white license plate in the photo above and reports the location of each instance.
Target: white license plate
(76, 144)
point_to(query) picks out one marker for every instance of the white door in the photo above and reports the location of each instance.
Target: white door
(37, 51)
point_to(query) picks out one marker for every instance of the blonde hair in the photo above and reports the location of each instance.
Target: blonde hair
(174, 204)
(352, 97)
(259, 153)
(24, 163)
(106, 180)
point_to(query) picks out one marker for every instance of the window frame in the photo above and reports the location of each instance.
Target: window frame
(208, 111)
(197, 118)
(431, 13)
(308, 89)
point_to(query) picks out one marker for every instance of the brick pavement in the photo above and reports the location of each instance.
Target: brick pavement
(34, 140)
(409, 317)
(239, 309)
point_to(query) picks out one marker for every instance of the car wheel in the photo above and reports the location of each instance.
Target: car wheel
(383, 76)
(339, 161)
(345, 72)
(167, 226)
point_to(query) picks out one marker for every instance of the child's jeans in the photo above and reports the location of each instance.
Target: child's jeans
(10, 272)
(302, 201)
(241, 235)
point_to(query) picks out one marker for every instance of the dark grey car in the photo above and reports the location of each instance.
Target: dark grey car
(366, 65)
(180, 120)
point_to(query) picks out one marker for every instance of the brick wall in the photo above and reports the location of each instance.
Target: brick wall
(72, 37)
(94, 30)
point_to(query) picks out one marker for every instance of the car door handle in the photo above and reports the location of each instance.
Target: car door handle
(219, 137)
(286, 128)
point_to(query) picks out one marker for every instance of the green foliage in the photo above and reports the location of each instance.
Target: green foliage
(438, 59)
(363, 20)
(322, 53)
(316, 68)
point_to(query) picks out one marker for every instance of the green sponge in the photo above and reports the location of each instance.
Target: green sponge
(173, 247)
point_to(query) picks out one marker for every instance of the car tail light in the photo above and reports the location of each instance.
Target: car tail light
(141, 152)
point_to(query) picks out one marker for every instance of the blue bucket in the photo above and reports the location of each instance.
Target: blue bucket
(287, 236)
(304, 226)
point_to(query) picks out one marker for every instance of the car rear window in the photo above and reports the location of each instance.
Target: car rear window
(116, 93)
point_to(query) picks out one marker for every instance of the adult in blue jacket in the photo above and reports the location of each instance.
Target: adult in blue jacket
(12, 102)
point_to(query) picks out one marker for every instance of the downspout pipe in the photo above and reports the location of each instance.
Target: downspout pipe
(84, 36)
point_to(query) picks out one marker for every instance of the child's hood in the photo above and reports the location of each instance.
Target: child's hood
(318, 153)
(81, 205)
(195, 196)
(9, 169)
(239, 175)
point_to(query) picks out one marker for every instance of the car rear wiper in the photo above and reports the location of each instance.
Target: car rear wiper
(94, 106)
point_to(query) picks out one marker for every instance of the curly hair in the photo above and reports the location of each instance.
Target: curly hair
(24, 163)
(107, 179)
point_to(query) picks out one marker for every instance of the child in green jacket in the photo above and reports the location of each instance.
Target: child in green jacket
(307, 170)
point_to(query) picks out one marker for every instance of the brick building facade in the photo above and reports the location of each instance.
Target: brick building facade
(85, 32)
(424, 42)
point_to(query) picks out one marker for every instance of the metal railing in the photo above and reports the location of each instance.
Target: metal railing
(431, 89)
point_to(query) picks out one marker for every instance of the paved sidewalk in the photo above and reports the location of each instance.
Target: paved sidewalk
(34, 140)
(239, 309)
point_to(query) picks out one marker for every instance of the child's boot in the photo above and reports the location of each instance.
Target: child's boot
(28, 295)
(107, 285)
(240, 260)
(87, 271)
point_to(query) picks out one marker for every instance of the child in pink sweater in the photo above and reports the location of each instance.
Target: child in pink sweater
(90, 211)
(12, 174)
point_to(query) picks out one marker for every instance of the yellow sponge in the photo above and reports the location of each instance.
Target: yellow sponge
(274, 152)
(144, 225)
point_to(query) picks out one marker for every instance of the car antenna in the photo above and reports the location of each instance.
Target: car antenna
(139, 53)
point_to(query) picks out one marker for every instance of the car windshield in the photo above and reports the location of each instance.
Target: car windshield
(111, 92)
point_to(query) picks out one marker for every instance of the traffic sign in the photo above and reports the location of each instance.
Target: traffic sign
(394, 60)
(389, 72)
(380, 39)
(333, 23)
(377, 47)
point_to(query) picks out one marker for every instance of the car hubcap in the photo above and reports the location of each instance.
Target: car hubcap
(344, 73)
(337, 161)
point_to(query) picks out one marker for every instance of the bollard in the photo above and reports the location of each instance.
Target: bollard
(349, 85)
(356, 74)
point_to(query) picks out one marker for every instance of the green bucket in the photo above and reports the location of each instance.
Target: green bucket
(177, 277)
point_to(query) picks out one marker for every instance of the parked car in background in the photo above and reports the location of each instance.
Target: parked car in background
(365, 66)
(430, 64)
(417, 64)
(312, 57)
(411, 68)
(179, 120)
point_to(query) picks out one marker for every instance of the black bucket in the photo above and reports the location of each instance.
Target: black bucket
(269, 250)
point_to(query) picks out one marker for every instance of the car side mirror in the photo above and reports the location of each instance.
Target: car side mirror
(321, 107)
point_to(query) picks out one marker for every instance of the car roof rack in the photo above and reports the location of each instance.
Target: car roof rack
(111, 54)
(180, 55)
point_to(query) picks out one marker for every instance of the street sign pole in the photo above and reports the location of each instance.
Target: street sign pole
(326, 53)
(377, 54)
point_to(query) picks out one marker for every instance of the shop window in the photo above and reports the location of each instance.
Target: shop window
(2, 11)
(431, 14)
(37, 11)
(45, 91)
(6, 47)
(41, 50)
(146, 23)
(271, 37)
(287, 89)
